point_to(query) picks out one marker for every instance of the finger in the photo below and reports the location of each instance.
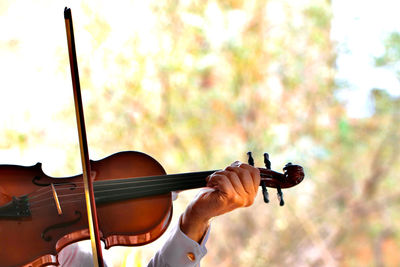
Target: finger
(230, 188)
(245, 178)
(246, 184)
(220, 182)
(255, 174)
(236, 182)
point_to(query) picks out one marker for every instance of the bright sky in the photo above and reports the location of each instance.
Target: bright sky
(359, 27)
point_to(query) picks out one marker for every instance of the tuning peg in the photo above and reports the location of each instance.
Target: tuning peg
(265, 192)
(250, 160)
(280, 197)
(266, 161)
(268, 166)
(263, 186)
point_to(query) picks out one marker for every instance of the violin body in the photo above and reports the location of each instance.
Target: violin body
(46, 230)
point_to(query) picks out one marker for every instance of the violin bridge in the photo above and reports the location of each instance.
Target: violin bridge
(55, 196)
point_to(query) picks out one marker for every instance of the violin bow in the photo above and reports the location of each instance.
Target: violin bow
(88, 184)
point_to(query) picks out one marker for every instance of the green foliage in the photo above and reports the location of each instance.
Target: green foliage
(319, 14)
(391, 57)
(12, 138)
(392, 50)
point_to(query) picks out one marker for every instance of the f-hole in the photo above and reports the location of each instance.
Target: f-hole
(46, 237)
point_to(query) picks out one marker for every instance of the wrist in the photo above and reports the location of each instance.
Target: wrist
(194, 226)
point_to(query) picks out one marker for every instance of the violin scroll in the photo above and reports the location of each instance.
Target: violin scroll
(292, 175)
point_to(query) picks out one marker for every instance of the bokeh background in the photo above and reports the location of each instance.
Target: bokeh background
(197, 84)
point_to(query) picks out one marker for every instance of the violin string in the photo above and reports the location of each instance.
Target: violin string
(38, 190)
(51, 198)
(75, 199)
(164, 185)
(40, 194)
(78, 197)
(112, 182)
(61, 195)
(131, 182)
(52, 204)
(120, 182)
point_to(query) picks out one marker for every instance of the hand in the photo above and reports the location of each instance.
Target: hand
(234, 187)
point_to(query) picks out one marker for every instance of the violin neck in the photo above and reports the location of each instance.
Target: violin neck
(123, 189)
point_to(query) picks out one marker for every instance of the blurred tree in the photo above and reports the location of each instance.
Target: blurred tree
(198, 84)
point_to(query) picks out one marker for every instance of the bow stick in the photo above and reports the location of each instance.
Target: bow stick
(89, 193)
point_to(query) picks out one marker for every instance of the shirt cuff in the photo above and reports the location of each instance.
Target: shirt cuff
(180, 250)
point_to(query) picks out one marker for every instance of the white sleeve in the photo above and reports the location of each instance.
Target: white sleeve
(78, 254)
(74, 255)
(180, 250)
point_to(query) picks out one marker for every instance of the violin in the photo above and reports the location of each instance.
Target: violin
(40, 215)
